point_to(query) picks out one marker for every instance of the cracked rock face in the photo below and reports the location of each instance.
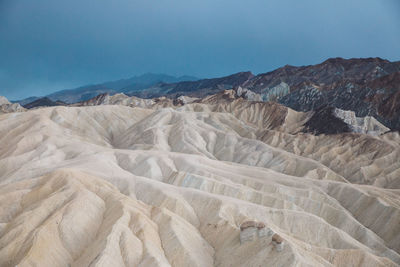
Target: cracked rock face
(170, 185)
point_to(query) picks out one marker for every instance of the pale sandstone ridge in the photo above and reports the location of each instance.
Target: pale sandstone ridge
(4, 100)
(366, 125)
(116, 99)
(170, 184)
(8, 107)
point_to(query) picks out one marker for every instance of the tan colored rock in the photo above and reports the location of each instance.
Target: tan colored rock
(248, 224)
(113, 185)
(278, 242)
(277, 239)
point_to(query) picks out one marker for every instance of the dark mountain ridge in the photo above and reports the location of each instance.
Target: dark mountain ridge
(127, 86)
(199, 88)
(44, 102)
(368, 86)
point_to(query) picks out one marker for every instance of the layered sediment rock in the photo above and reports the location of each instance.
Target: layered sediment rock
(115, 185)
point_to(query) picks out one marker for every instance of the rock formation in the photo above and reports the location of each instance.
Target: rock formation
(44, 102)
(169, 184)
(366, 125)
(278, 243)
(368, 86)
(4, 101)
(253, 230)
(250, 230)
(8, 107)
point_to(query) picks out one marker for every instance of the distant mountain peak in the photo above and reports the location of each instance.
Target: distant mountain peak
(135, 83)
(340, 60)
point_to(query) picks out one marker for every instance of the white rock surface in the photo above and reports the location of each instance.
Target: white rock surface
(117, 99)
(279, 246)
(4, 100)
(248, 235)
(116, 186)
(248, 94)
(7, 107)
(365, 125)
(276, 92)
(263, 232)
(187, 99)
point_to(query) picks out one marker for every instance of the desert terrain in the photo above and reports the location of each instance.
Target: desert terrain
(133, 182)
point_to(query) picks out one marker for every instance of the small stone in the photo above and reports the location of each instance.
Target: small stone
(277, 241)
(248, 224)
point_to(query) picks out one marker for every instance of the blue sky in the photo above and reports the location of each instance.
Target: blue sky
(49, 45)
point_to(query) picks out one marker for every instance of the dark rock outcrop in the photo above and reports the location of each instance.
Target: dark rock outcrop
(323, 121)
(44, 102)
(370, 87)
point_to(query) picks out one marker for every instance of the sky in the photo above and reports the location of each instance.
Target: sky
(50, 45)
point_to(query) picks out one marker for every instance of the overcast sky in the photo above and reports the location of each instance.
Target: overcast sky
(49, 45)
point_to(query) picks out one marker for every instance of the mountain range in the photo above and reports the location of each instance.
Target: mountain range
(128, 86)
(367, 86)
(214, 172)
(370, 87)
(219, 180)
